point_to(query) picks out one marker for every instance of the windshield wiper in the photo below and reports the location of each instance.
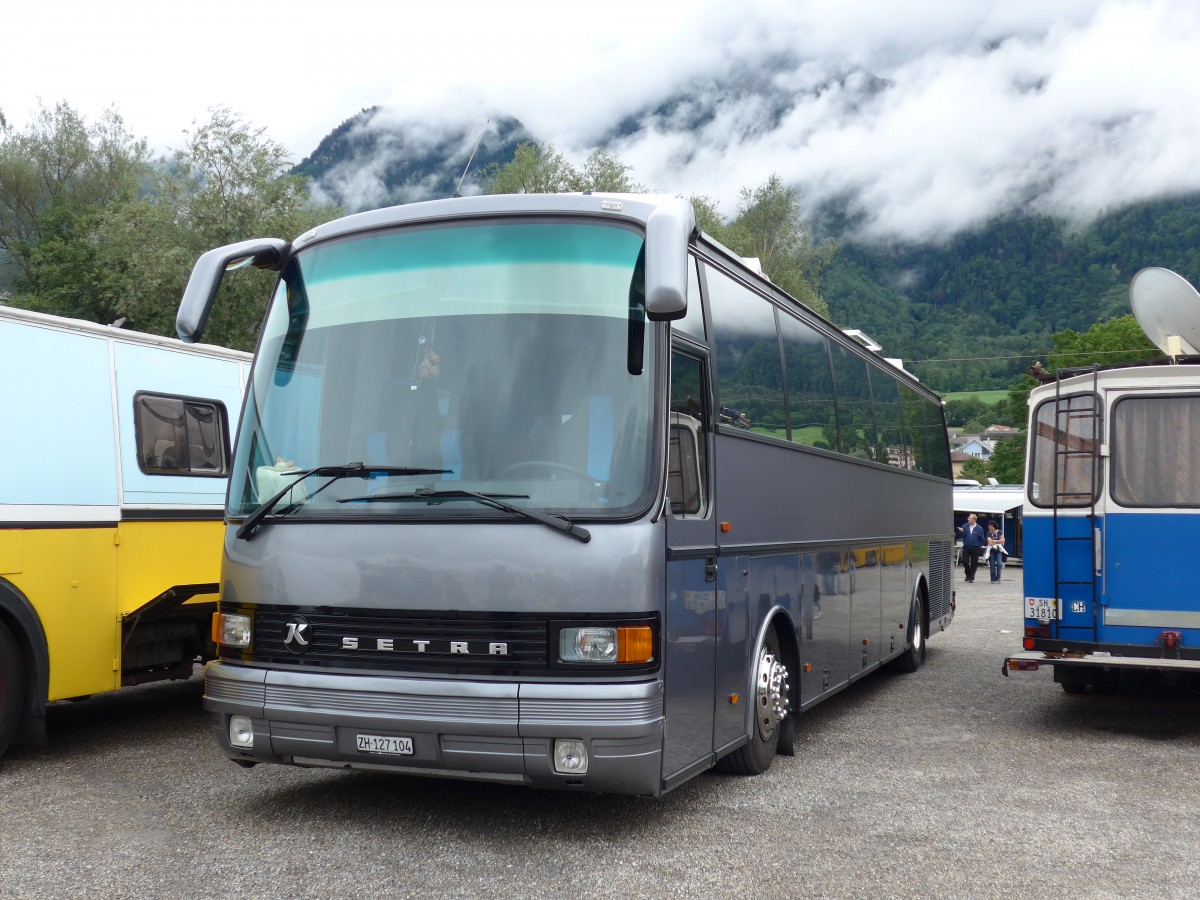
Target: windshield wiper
(350, 470)
(560, 523)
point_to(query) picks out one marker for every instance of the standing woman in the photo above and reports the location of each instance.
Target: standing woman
(995, 551)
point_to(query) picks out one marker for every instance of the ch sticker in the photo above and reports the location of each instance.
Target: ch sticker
(1078, 606)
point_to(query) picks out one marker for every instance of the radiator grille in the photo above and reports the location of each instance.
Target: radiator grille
(940, 583)
(436, 642)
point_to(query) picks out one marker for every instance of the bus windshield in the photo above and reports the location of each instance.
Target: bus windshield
(513, 355)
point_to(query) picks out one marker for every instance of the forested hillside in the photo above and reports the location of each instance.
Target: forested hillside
(955, 313)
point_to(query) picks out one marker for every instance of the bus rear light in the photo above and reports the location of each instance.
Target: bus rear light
(1027, 643)
(1037, 631)
(231, 630)
(1023, 665)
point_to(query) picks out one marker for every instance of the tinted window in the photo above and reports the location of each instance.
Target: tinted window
(693, 323)
(180, 436)
(811, 405)
(685, 459)
(885, 398)
(925, 430)
(749, 370)
(855, 424)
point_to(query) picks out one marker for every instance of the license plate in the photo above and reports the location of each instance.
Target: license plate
(1041, 608)
(379, 743)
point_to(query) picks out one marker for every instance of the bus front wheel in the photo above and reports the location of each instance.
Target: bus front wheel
(772, 690)
(12, 686)
(912, 657)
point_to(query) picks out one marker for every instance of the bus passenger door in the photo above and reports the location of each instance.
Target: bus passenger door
(691, 619)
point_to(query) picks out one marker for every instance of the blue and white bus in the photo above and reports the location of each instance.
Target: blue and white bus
(1112, 507)
(555, 490)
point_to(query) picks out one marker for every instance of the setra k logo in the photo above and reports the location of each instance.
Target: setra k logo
(297, 635)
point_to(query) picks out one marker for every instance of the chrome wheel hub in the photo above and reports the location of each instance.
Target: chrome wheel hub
(771, 691)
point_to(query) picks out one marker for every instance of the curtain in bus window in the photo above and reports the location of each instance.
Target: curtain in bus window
(1153, 456)
(811, 407)
(749, 368)
(162, 434)
(885, 399)
(1063, 459)
(855, 423)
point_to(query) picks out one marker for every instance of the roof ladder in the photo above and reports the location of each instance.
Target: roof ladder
(1076, 444)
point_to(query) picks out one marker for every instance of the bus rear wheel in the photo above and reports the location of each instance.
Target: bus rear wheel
(772, 692)
(12, 686)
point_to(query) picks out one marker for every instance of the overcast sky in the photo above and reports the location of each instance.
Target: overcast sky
(974, 108)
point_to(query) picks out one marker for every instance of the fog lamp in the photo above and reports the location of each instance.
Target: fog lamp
(570, 757)
(231, 630)
(241, 732)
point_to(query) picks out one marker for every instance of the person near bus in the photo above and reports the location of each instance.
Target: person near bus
(995, 551)
(974, 540)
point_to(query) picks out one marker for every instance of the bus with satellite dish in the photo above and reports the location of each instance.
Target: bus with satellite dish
(115, 457)
(555, 490)
(1112, 506)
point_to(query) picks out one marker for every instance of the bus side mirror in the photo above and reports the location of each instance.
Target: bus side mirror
(669, 229)
(202, 286)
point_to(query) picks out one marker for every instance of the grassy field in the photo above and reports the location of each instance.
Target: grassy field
(989, 397)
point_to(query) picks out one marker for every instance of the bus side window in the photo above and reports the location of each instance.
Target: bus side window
(685, 454)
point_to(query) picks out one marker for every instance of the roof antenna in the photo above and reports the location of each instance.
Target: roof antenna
(467, 167)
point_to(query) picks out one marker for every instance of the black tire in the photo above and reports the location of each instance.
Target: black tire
(772, 684)
(12, 686)
(1074, 688)
(914, 654)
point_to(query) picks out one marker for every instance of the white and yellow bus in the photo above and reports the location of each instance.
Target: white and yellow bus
(113, 470)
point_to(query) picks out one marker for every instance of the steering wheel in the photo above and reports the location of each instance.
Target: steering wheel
(549, 466)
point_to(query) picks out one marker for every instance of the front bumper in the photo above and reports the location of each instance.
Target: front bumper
(488, 731)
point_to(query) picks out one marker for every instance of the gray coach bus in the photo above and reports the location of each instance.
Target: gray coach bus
(555, 490)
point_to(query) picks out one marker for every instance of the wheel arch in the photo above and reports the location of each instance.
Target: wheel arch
(22, 620)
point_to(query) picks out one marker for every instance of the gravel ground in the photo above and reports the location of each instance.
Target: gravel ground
(950, 782)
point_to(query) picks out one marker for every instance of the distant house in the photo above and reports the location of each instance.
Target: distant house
(957, 460)
(979, 448)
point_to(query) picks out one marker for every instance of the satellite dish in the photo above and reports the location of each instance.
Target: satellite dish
(1168, 308)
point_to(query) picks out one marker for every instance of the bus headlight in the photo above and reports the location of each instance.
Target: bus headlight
(231, 630)
(570, 757)
(606, 644)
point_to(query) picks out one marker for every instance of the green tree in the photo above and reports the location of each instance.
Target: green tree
(534, 169)
(56, 179)
(768, 227)
(1007, 464)
(976, 469)
(228, 183)
(604, 171)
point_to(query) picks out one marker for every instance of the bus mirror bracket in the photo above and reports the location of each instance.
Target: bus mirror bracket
(669, 230)
(210, 269)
